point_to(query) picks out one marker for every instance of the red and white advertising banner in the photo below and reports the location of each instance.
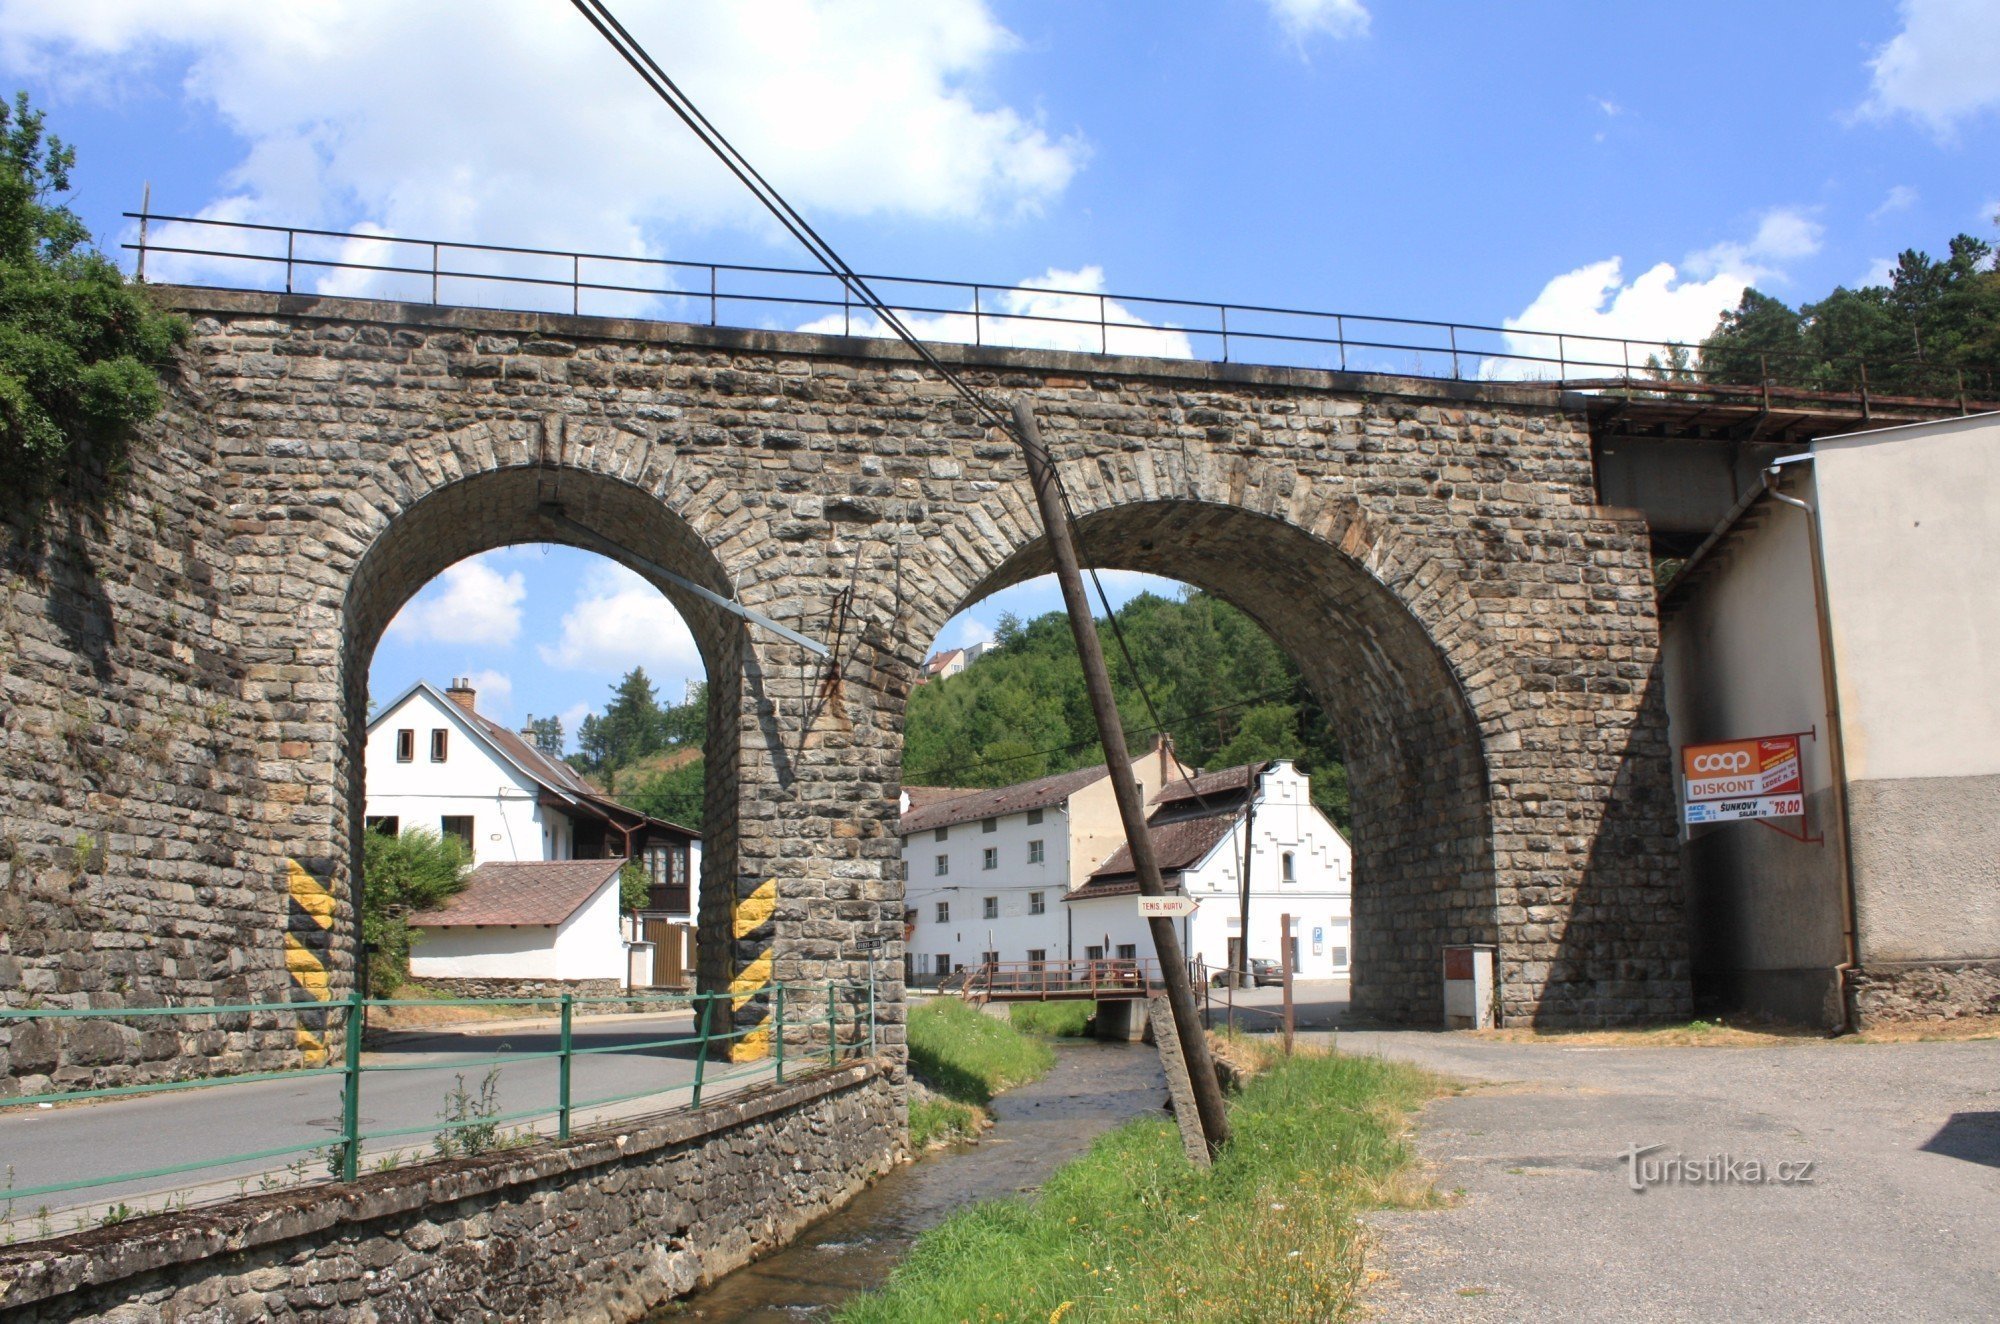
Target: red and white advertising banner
(1739, 779)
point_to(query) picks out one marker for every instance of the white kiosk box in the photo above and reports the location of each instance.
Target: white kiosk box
(1468, 987)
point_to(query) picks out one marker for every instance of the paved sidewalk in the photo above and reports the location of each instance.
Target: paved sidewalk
(1901, 1220)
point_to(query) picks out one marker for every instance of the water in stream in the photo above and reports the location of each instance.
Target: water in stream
(1093, 1088)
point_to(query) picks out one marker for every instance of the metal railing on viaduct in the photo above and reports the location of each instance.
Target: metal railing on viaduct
(239, 254)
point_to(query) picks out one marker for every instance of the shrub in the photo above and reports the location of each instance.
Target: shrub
(401, 875)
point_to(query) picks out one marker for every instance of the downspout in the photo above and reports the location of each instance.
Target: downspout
(1836, 750)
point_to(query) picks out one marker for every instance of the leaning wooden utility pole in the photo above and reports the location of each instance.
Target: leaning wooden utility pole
(1131, 809)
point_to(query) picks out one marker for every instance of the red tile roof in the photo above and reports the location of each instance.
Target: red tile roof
(538, 893)
(1038, 794)
(1210, 785)
(1177, 845)
(555, 773)
(924, 796)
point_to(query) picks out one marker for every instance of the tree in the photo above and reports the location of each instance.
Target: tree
(80, 349)
(675, 795)
(399, 876)
(635, 886)
(1935, 324)
(547, 733)
(631, 727)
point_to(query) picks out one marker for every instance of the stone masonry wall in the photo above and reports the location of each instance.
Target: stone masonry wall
(603, 1227)
(1430, 553)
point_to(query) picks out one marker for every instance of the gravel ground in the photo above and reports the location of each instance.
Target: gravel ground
(1900, 1221)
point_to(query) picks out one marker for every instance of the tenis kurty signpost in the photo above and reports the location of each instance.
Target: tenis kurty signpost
(1168, 907)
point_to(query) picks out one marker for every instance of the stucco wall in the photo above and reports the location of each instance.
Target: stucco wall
(1741, 658)
(501, 801)
(1911, 522)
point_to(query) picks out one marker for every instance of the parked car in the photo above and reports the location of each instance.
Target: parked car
(1263, 971)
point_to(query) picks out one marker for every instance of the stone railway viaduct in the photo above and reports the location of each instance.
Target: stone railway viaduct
(185, 672)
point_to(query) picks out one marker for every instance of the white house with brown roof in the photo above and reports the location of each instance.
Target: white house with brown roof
(433, 760)
(1300, 865)
(988, 869)
(519, 927)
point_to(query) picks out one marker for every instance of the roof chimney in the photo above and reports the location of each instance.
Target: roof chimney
(461, 692)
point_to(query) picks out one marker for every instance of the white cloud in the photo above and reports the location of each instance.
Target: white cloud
(1594, 307)
(620, 621)
(1940, 69)
(1611, 109)
(1301, 19)
(1900, 198)
(1056, 310)
(511, 121)
(470, 603)
(970, 630)
(1879, 272)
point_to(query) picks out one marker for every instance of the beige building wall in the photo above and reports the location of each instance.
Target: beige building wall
(1911, 532)
(1739, 648)
(1094, 827)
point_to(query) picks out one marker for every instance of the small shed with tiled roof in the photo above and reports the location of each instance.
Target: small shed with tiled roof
(531, 924)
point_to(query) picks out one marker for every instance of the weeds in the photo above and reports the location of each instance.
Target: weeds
(469, 1126)
(115, 1215)
(965, 1057)
(1059, 1020)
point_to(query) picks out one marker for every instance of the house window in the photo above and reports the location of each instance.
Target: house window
(942, 965)
(1034, 852)
(991, 859)
(1288, 868)
(1038, 957)
(943, 865)
(990, 958)
(1128, 951)
(989, 825)
(941, 834)
(406, 745)
(1093, 953)
(944, 912)
(389, 825)
(453, 826)
(1035, 904)
(439, 735)
(990, 907)
(1034, 817)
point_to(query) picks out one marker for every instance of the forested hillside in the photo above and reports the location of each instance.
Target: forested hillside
(1220, 685)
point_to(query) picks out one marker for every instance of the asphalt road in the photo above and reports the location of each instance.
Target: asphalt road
(40, 1146)
(1900, 1220)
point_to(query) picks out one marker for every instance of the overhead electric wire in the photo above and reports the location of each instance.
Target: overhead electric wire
(599, 15)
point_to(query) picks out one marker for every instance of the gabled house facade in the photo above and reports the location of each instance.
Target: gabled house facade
(1301, 866)
(988, 869)
(434, 761)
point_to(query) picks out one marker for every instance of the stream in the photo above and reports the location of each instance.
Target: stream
(1037, 1127)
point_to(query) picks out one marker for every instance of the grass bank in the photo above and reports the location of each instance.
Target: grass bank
(1132, 1231)
(964, 1057)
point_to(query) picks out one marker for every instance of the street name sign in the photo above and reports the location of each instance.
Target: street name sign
(1167, 907)
(1734, 780)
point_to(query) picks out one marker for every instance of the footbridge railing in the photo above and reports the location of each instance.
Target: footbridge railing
(1054, 315)
(586, 1060)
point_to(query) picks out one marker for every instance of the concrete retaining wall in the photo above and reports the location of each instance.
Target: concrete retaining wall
(600, 1228)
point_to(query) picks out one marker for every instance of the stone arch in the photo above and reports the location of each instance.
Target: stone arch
(1424, 868)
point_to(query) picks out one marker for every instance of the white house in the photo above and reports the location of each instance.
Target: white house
(526, 927)
(1300, 865)
(433, 761)
(988, 869)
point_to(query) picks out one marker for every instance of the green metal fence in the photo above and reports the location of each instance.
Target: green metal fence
(847, 1031)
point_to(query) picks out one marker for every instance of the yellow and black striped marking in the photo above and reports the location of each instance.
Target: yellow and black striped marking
(308, 956)
(753, 913)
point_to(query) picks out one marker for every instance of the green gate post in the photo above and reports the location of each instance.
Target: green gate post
(350, 1089)
(778, 1029)
(562, 1073)
(701, 1053)
(832, 1030)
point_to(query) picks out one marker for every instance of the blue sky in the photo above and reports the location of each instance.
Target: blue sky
(1620, 169)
